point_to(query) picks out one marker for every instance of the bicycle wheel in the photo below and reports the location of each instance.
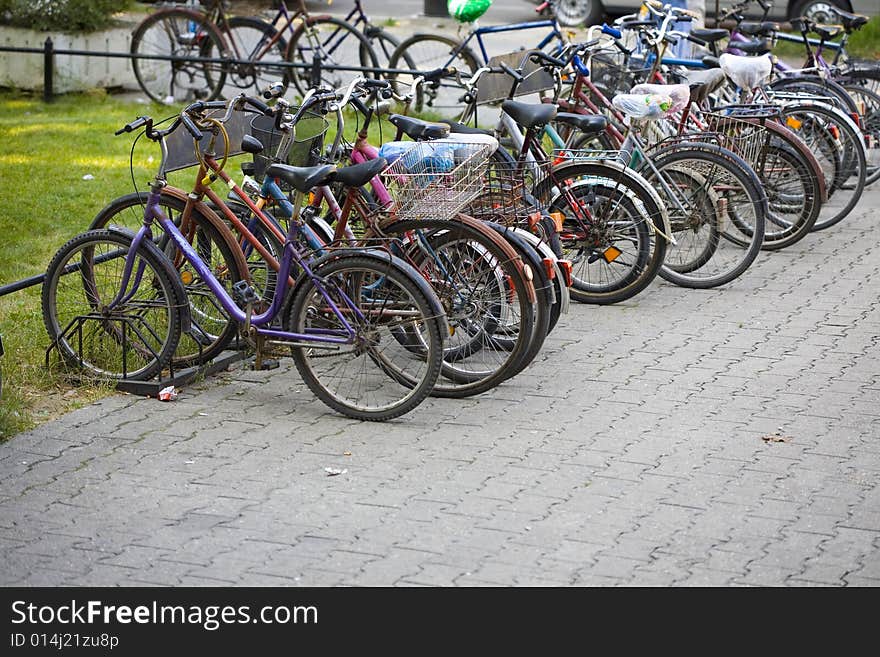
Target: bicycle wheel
(178, 32)
(817, 86)
(793, 194)
(869, 112)
(717, 213)
(384, 45)
(135, 339)
(607, 231)
(398, 348)
(211, 328)
(839, 148)
(488, 308)
(426, 52)
(333, 42)
(260, 44)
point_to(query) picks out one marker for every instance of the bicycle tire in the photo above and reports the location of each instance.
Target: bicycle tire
(257, 41)
(343, 276)
(426, 52)
(585, 244)
(474, 359)
(870, 126)
(327, 35)
(98, 345)
(384, 44)
(841, 155)
(723, 184)
(185, 33)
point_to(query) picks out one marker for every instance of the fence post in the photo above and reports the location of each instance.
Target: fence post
(48, 69)
(436, 8)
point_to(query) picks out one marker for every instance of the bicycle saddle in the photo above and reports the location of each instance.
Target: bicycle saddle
(529, 115)
(710, 36)
(302, 179)
(359, 174)
(417, 128)
(703, 83)
(828, 32)
(851, 22)
(752, 28)
(462, 129)
(754, 47)
(587, 123)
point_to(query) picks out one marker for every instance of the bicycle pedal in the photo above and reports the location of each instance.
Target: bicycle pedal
(244, 294)
(266, 364)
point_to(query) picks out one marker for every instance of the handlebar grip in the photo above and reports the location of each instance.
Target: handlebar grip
(376, 84)
(697, 40)
(512, 73)
(259, 105)
(274, 91)
(611, 31)
(191, 127)
(134, 125)
(547, 58)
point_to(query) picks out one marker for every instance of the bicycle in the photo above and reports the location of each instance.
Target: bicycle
(423, 52)
(387, 342)
(211, 49)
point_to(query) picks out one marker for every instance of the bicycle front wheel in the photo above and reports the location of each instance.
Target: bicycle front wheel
(134, 339)
(395, 357)
(717, 213)
(256, 45)
(184, 35)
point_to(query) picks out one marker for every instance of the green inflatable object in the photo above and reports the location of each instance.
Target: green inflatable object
(467, 11)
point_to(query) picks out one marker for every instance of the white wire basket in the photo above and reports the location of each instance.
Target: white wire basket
(436, 179)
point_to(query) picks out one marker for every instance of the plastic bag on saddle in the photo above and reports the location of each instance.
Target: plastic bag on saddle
(746, 72)
(643, 106)
(680, 94)
(419, 156)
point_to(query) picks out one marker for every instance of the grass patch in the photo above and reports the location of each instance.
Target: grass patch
(44, 201)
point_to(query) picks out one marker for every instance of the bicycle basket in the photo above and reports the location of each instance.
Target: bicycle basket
(181, 150)
(305, 150)
(436, 179)
(504, 196)
(742, 131)
(493, 87)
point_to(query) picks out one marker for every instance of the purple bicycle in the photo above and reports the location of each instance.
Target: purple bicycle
(365, 330)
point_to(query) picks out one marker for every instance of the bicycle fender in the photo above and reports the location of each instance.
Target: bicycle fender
(383, 257)
(173, 274)
(542, 280)
(512, 255)
(634, 179)
(219, 225)
(545, 251)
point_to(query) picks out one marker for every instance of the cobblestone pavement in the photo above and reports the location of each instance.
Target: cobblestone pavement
(724, 437)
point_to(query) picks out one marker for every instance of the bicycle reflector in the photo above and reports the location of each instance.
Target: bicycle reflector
(793, 123)
(548, 267)
(611, 254)
(565, 268)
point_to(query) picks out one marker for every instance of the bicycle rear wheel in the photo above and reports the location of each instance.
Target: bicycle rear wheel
(136, 338)
(831, 136)
(488, 308)
(184, 34)
(426, 52)
(397, 352)
(334, 43)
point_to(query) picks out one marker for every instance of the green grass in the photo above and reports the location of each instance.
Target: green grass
(44, 201)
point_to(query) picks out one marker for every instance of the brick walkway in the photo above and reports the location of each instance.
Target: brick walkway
(725, 437)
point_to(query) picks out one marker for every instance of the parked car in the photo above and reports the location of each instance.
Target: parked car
(590, 12)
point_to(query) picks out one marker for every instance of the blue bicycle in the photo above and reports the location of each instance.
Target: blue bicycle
(429, 52)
